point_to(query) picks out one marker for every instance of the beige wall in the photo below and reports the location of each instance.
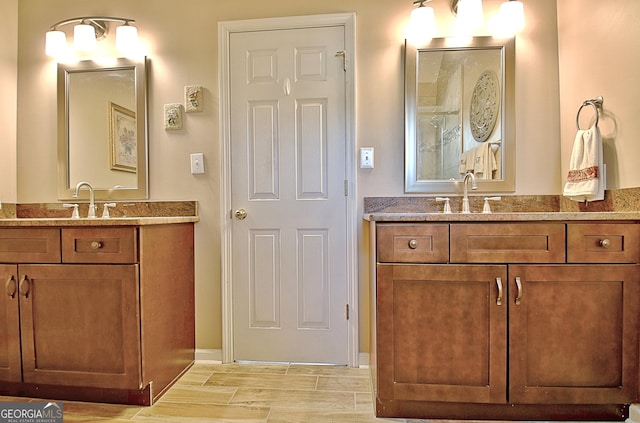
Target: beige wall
(181, 41)
(600, 56)
(8, 99)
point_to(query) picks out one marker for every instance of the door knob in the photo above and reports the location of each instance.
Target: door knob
(240, 214)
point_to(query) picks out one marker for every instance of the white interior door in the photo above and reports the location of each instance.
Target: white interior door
(289, 254)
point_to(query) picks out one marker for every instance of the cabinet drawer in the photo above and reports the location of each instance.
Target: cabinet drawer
(30, 245)
(603, 243)
(413, 243)
(508, 243)
(99, 245)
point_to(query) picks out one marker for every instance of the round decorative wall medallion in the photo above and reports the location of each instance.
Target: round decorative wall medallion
(485, 105)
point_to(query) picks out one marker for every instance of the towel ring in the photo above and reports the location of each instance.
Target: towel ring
(596, 103)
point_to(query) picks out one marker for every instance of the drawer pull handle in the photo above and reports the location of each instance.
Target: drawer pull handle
(24, 286)
(96, 245)
(10, 287)
(605, 243)
(413, 244)
(499, 299)
(519, 295)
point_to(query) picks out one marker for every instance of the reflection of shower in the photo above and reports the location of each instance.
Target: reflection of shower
(431, 137)
(439, 135)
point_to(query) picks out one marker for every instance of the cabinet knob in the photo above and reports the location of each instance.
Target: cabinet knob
(413, 244)
(605, 243)
(96, 245)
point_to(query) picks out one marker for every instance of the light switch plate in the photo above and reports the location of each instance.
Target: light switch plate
(366, 158)
(197, 163)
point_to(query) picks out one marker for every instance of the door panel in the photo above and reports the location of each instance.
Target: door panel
(265, 283)
(288, 141)
(574, 335)
(80, 325)
(10, 369)
(263, 167)
(441, 333)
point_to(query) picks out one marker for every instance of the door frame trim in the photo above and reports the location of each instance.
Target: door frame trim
(225, 29)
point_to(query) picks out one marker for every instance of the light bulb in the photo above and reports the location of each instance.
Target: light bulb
(84, 38)
(511, 17)
(56, 43)
(422, 25)
(469, 16)
(127, 39)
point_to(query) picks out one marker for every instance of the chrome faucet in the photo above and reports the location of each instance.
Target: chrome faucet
(465, 199)
(92, 206)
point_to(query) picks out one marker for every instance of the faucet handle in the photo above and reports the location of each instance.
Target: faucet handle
(74, 214)
(486, 208)
(447, 204)
(105, 210)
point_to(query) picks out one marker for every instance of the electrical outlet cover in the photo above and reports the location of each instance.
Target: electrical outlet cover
(172, 116)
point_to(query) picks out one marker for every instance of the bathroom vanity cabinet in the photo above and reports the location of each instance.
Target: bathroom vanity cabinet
(508, 320)
(102, 313)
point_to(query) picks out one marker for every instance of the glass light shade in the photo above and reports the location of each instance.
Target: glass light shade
(422, 25)
(469, 16)
(512, 16)
(126, 38)
(56, 43)
(84, 38)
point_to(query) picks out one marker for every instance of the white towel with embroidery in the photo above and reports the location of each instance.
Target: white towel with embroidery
(585, 181)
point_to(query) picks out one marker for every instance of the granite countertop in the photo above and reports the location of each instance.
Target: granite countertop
(112, 221)
(499, 217)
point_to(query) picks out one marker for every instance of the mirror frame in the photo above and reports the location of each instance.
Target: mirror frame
(141, 192)
(507, 115)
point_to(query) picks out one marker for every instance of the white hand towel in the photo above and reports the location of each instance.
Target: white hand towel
(485, 161)
(585, 181)
(466, 162)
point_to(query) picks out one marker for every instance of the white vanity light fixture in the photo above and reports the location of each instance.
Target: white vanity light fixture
(511, 17)
(469, 18)
(422, 24)
(84, 38)
(127, 38)
(87, 31)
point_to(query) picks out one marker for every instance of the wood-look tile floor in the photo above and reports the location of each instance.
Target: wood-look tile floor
(257, 393)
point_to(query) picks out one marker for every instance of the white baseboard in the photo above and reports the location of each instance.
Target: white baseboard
(202, 354)
(208, 355)
(363, 360)
(634, 414)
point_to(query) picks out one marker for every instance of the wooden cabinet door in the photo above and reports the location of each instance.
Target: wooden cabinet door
(441, 333)
(573, 337)
(81, 325)
(10, 369)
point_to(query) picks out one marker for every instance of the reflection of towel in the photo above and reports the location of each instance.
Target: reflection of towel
(480, 161)
(585, 181)
(485, 161)
(467, 162)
